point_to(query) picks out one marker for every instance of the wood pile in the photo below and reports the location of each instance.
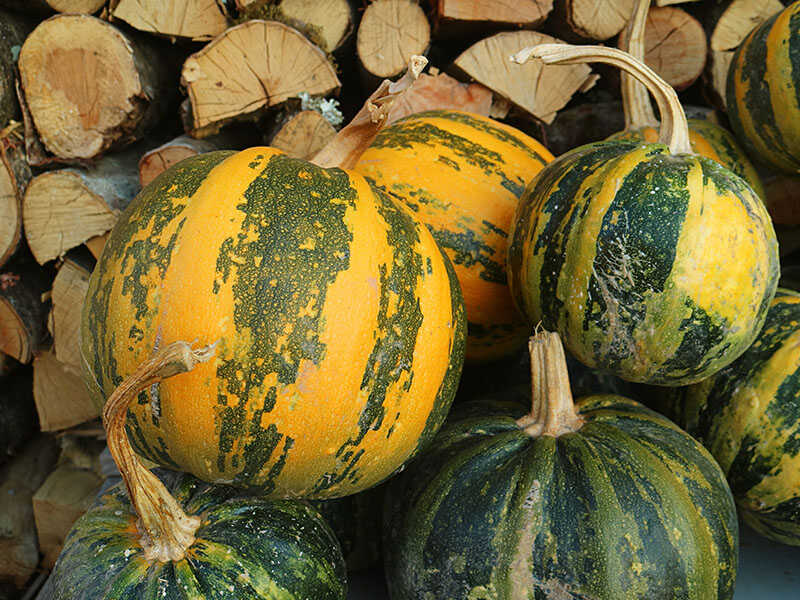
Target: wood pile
(99, 97)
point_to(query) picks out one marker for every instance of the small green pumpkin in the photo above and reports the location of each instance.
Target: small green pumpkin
(604, 499)
(654, 264)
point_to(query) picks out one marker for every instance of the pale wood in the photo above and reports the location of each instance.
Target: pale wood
(669, 2)
(89, 87)
(158, 160)
(463, 16)
(97, 243)
(582, 20)
(303, 134)
(331, 20)
(442, 92)
(19, 480)
(192, 19)
(719, 62)
(390, 32)
(24, 307)
(14, 177)
(540, 90)
(733, 20)
(60, 394)
(64, 208)
(62, 499)
(87, 7)
(69, 290)
(250, 67)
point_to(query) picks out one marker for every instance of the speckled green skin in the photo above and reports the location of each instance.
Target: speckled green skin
(245, 549)
(629, 507)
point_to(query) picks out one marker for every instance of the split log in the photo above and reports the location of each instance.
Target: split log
(14, 177)
(61, 398)
(89, 87)
(390, 33)
(17, 412)
(716, 76)
(13, 31)
(191, 19)
(64, 208)
(301, 134)
(465, 18)
(96, 244)
(583, 20)
(439, 91)
(60, 501)
(540, 90)
(669, 2)
(69, 290)
(327, 23)
(21, 477)
(46, 7)
(675, 45)
(251, 67)
(24, 307)
(158, 160)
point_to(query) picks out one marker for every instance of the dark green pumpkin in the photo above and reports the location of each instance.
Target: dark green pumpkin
(626, 507)
(246, 548)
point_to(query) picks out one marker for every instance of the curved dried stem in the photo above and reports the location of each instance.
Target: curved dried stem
(635, 97)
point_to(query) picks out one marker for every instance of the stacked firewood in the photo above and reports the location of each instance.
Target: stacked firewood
(98, 97)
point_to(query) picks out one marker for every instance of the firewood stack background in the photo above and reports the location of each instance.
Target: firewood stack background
(97, 98)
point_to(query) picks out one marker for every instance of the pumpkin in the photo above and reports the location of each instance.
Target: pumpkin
(653, 263)
(463, 174)
(763, 94)
(339, 324)
(142, 544)
(600, 499)
(748, 416)
(705, 137)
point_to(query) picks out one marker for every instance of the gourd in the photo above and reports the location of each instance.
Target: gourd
(601, 498)
(654, 264)
(706, 138)
(463, 174)
(762, 93)
(748, 416)
(339, 323)
(188, 539)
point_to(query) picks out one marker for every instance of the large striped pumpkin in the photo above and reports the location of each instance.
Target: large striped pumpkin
(763, 91)
(748, 416)
(339, 324)
(463, 175)
(654, 264)
(622, 506)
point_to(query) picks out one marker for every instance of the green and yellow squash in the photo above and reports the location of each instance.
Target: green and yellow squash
(705, 137)
(653, 263)
(463, 174)
(339, 324)
(141, 544)
(600, 499)
(748, 416)
(763, 91)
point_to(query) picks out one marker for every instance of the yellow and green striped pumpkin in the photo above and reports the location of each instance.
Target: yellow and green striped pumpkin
(763, 91)
(655, 267)
(748, 416)
(339, 324)
(246, 548)
(463, 174)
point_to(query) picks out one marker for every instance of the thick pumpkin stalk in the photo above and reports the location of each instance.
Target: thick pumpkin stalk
(167, 531)
(552, 406)
(635, 98)
(674, 130)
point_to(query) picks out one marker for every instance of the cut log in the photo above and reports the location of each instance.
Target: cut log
(731, 20)
(251, 67)
(582, 20)
(675, 45)
(716, 76)
(89, 87)
(60, 501)
(45, 7)
(540, 90)
(158, 160)
(69, 290)
(669, 2)
(390, 33)
(24, 308)
(96, 244)
(301, 134)
(64, 208)
(17, 412)
(328, 23)
(439, 91)
(463, 18)
(14, 177)
(21, 477)
(13, 31)
(60, 394)
(191, 19)
(82, 448)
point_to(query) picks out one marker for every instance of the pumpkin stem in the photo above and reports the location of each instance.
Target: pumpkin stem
(167, 531)
(351, 142)
(674, 130)
(552, 408)
(635, 97)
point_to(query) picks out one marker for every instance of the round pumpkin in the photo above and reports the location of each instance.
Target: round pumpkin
(338, 323)
(748, 416)
(604, 499)
(463, 174)
(653, 263)
(763, 91)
